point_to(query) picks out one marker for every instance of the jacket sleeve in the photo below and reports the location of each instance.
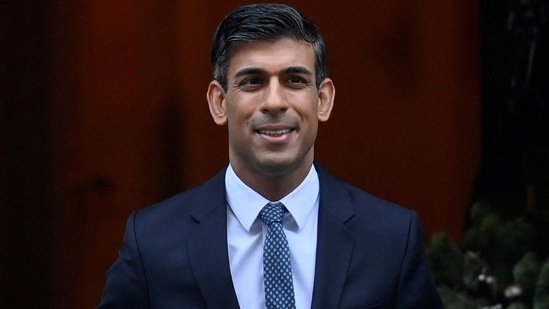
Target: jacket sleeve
(126, 285)
(416, 286)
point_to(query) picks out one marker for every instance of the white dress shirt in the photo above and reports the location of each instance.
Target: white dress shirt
(246, 233)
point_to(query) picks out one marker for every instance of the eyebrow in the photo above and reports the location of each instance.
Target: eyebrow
(255, 71)
(250, 71)
(299, 70)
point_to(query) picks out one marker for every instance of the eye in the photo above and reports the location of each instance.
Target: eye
(250, 83)
(297, 80)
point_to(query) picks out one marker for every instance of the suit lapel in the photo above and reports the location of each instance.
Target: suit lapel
(208, 252)
(207, 246)
(335, 242)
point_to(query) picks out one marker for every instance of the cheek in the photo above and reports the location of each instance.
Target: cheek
(238, 118)
(243, 105)
(308, 109)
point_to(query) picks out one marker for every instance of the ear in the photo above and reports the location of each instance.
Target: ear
(216, 100)
(326, 96)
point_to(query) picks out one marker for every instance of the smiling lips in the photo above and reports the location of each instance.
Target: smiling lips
(275, 136)
(274, 132)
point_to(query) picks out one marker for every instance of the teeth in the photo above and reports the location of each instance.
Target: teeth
(274, 132)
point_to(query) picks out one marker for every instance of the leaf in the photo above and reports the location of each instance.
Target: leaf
(541, 295)
(526, 273)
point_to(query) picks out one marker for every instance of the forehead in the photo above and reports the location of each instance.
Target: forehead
(273, 56)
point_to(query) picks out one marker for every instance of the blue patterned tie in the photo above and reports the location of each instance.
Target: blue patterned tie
(277, 266)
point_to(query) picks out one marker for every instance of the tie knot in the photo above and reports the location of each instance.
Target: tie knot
(272, 212)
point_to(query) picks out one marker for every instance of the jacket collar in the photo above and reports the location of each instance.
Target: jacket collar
(335, 242)
(209, 243)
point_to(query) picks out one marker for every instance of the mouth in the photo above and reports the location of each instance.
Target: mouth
(274, 132)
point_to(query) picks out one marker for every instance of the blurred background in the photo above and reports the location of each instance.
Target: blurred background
(103, 111)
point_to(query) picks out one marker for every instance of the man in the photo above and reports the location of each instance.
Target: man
(214, 246)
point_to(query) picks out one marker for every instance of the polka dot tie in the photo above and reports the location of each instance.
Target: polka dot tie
(277, 266)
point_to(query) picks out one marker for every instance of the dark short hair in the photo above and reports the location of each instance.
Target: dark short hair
(264, 22)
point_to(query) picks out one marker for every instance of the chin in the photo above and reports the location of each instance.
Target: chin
(279, 165)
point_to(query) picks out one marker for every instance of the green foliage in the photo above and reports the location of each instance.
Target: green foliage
(498, 268)
(526, 272)
(541, 294)
(447, 259)
(455, 300)
(517, 306)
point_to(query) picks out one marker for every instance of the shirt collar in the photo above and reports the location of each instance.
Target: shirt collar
(247, 203)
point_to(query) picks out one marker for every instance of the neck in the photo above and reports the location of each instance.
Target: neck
(274, 186)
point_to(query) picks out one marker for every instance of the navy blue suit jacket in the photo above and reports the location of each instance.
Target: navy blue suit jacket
(370, 253)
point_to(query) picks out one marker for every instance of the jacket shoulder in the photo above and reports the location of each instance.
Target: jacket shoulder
(185, 207)
(355, 200)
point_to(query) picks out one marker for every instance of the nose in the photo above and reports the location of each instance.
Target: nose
(274, 100)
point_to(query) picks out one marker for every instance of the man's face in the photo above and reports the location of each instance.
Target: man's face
(272, 107)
